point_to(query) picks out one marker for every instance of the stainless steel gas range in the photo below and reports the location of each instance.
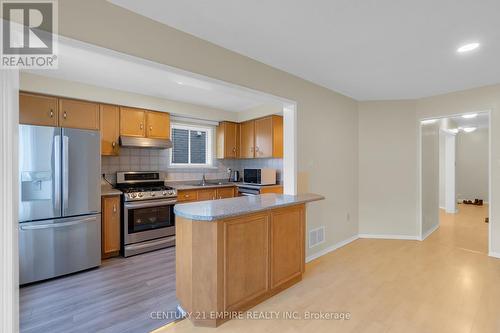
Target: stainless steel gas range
(148, 220)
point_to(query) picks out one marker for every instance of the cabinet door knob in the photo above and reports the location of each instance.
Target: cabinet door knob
(114, 208)
(150, 128)
(256, 149)
(65, 115)
(51, 113)
(141, 126)
(113, 144)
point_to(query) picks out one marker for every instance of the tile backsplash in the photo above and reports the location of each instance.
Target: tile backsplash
(142, 159)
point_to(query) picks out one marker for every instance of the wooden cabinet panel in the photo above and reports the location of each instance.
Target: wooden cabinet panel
(78, 114)
(207, 194)
(110, 226)
(287, 244)
(187, 195)
(227, 140)
(264, 137)
(110, 129)
(158, 125)
(246, 268)
(132, 122)
(277, 137)
(247, 139)
(272, 189)
(225, 192)
(37, 109)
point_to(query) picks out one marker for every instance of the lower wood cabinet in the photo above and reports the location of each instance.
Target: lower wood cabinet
(110, 228)
(235, 263)
(205, 194)
(225, 192)
(246, 251)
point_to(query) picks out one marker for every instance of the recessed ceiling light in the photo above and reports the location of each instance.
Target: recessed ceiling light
(428, 121)
(467, 47)
(469, 116)
(180, 83)
(453, 130)
(469, 129)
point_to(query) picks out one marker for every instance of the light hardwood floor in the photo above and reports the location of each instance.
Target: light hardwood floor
(116, 297)
(446, 283)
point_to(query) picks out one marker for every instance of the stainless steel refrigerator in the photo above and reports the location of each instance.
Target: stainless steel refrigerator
(59, 201)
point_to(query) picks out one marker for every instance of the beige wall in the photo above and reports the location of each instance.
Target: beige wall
(472, 165)
(387, 128)
(327, 121)
(388, 168)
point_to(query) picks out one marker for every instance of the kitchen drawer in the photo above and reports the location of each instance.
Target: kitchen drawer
(187, 195)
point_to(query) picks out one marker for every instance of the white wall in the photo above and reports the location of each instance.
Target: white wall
(430, 176)
(472, 165)
(388, 168)
(327, 121)
(442, 171)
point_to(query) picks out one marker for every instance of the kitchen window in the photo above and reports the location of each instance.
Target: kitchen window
(192, 146)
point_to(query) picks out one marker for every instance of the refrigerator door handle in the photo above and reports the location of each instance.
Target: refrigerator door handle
(57, 172)
(65, 172)
(55, 225)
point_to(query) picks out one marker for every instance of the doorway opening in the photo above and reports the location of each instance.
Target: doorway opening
(455, 180)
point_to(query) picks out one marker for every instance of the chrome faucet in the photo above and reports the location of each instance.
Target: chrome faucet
(203, 181)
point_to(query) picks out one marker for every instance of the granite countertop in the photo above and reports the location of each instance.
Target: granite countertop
(223, 208)
(107, 190)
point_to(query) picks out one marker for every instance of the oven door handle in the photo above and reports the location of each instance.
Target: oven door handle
(148, 204)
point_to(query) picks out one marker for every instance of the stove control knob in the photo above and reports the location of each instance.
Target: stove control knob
(171, 192)
(131, 195)
(140, 195)
(164, 193)
(153, 194)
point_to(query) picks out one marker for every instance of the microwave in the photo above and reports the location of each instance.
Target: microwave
(263, 176)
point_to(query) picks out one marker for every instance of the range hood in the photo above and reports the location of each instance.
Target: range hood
(136, 142)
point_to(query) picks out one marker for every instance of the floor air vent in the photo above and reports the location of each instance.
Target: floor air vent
(316, 236)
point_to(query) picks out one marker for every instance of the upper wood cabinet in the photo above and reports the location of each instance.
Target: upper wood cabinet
(247, 142)
(110, 129)
(143, 123)
(262, 138)
(132, 122)
(110, 226)
(227, 134)
(78, 114)
(37, 109)
(158, 125)
(269, 137)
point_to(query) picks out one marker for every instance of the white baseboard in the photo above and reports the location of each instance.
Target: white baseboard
(494, 254)
(331, 248)
(404, 237)
(428, 233)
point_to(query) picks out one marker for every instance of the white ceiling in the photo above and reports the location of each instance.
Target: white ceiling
(367, 49)
(102, 67)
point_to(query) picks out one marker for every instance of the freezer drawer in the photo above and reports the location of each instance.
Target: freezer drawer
(56, 247)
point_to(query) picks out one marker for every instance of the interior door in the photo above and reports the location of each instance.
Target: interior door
(81, 168)
(39, 172)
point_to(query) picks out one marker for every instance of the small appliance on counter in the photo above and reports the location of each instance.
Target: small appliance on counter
(148, 220)
(234, 175)
(263, 176)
